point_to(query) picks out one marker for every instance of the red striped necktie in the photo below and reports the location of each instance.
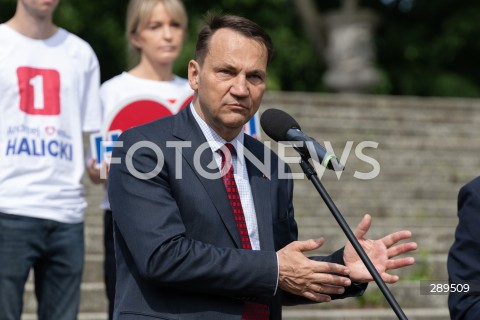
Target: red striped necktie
(252, 311)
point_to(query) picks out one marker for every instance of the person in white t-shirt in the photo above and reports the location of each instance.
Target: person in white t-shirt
(49, 80)
(156, 30)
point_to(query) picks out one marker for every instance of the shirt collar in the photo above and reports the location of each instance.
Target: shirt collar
(214, 139)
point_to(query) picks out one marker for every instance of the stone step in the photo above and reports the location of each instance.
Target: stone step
(322, 217)
(386, 124)
(365, 314)
(362, 194)
(436, 239)
(81, 316)
(370, 306)
(420, 205)
(380, 199)
(92, 299)
(430, 244)
(429, 265)
(93, 270)
(312, 105)
(289, 314)
(406, 293)
(94, 239)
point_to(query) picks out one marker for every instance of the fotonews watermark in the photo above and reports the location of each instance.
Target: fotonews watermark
(212, 169)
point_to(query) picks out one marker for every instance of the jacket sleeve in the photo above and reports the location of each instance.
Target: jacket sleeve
(464, 255)
(150, 224)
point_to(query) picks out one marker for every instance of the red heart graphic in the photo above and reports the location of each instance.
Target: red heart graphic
(141, 111)
(50, 130)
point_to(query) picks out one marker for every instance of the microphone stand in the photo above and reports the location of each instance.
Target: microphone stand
(312, 176)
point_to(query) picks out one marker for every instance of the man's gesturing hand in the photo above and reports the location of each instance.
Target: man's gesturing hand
(308, 278)
(381, 252)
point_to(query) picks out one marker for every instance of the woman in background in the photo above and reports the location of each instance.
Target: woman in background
(156, 31)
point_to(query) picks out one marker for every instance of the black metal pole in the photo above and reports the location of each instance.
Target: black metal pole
(312, 176)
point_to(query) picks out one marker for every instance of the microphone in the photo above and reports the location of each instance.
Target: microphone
(280, 126)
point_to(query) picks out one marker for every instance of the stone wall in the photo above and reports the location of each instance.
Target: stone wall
(427, 149)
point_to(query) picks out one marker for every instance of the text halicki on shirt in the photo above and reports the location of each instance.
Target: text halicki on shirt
(34, 142)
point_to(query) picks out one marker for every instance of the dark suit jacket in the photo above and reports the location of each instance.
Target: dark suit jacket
(464, 256)
(176, 243)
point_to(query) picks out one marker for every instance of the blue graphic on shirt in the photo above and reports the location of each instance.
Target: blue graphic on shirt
(101, 148)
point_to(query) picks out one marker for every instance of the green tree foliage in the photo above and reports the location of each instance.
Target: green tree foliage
(295, 65)
(425, 48)
(102, 23)
(429, 48)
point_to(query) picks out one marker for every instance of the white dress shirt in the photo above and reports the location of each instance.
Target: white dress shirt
(240, 174)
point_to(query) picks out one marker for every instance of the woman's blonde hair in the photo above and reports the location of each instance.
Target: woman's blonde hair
(139, 13)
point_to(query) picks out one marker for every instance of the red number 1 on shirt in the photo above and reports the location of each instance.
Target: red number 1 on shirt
(39, 91)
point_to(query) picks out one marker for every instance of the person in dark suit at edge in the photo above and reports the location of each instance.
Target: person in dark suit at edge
(194, 242)
(464, 256)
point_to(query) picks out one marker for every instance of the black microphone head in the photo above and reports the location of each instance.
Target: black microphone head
(276, 123)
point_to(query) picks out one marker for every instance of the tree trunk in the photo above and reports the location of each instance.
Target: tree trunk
(312, 23)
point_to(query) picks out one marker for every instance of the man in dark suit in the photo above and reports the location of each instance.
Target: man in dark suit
(202, 229)
(464, 256)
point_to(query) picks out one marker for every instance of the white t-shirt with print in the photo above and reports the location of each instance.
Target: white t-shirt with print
(126, 90)
(49, 94)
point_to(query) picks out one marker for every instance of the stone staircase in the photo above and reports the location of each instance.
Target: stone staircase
(427, 149)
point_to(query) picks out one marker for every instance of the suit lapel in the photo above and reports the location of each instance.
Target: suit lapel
(260, 186)
(187, 129)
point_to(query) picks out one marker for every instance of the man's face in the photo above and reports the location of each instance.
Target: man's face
(230, 83)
